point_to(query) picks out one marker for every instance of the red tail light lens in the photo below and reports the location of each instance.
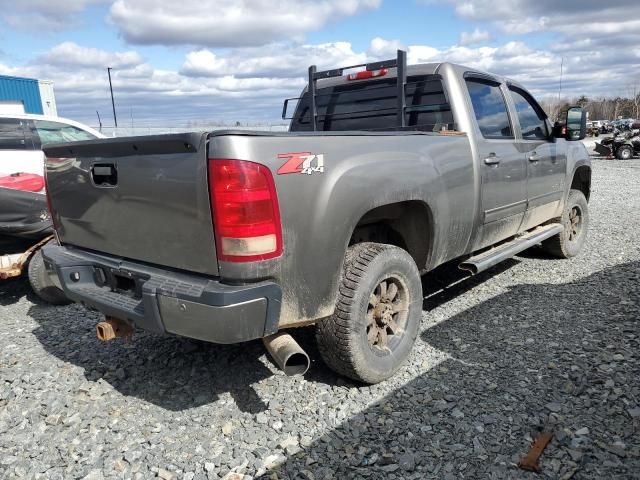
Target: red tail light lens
(246, 215)
(365, 74)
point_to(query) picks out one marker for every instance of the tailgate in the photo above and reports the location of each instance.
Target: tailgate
(141, 198)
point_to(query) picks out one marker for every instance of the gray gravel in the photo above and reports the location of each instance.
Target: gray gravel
(535, 344)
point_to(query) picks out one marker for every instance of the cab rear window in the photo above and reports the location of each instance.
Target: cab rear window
(372, 105)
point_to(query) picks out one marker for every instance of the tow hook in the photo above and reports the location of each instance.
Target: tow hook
(286, 352)
(112, 327)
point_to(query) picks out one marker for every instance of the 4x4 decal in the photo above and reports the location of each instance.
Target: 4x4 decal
(301, 162)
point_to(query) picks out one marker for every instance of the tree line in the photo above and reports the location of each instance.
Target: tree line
(598, 108)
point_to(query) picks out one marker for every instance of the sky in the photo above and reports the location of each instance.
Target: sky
(189, 61)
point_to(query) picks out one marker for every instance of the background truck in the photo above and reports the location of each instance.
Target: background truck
(386, 173)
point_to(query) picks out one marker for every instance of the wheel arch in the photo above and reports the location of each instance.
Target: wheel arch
(581, 180)
(406, 224)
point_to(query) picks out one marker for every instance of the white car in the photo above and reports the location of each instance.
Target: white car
(24, 219)
(22, 137)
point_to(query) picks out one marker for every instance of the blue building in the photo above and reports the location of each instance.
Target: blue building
(36, 96)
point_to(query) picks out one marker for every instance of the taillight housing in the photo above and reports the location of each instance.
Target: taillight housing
(245, 211)
(365, 74)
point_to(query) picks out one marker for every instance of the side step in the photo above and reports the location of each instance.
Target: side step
(493, 256)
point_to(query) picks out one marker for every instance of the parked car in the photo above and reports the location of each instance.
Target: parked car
(24, 216)
(386, 173)
(23, 135)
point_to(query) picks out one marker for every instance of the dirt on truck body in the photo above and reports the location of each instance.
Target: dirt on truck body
(386, 172)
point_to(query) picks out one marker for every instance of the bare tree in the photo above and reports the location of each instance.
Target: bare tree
(634, 97)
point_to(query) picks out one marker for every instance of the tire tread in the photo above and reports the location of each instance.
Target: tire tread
(334, 334)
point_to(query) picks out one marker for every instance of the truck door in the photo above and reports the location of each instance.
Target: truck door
(503, 168)
(545, 159)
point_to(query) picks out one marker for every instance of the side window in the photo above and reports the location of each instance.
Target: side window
(490, 109)
(55, 132)
(11, 134)
(530, 115)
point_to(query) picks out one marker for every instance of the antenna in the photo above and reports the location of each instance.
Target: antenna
(561, 71)
(115, 120)
(99, 121)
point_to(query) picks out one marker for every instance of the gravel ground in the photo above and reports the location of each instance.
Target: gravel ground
(535, 344)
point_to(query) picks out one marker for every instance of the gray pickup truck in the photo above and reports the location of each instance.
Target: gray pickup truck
(385, 173)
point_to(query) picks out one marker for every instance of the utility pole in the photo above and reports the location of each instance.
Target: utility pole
(113, 105)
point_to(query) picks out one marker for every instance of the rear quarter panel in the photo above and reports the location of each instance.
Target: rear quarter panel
(319, 211)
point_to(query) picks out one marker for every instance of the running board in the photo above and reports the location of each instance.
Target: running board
(493, 256)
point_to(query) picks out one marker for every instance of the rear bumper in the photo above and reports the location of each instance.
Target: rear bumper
(164, 301)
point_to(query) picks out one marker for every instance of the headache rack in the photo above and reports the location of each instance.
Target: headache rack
(376, 70)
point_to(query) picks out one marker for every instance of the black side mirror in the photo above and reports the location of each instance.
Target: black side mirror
(576, 123)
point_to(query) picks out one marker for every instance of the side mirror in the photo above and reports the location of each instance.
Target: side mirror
(576, 123)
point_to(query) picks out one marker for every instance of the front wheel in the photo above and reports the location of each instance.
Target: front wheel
(625, 152)
(377, 317)
(575, 221)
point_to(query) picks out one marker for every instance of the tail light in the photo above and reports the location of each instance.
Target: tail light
(246, 215)
(363, 75)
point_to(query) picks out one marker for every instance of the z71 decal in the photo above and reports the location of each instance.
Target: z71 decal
(301, 162)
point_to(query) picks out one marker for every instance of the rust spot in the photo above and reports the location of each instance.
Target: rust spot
(12, 265)
(112, 328)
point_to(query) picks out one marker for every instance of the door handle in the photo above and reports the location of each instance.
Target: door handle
(534, 157)
(104, 175)
(492, 159)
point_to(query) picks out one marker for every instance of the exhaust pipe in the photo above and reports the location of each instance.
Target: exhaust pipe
(286, 352)
(112, 328)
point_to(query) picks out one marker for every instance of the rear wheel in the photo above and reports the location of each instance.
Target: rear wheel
(575, 220)
(625, 152)
(41, 284)
(377, 316)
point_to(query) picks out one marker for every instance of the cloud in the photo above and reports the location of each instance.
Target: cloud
(475, 37)
(249, 84)
(571, 17)
(273, 60)
(227, 23)
(70, 54)
(43, 15)
(381, 49)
